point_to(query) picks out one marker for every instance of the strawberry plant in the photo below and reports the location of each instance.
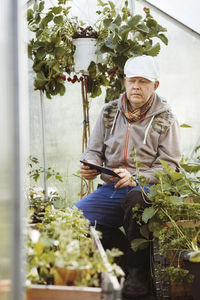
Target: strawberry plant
(172, 216)
(119, 36)
(51, 49)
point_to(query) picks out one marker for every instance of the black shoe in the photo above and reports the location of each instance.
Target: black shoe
(136, 285)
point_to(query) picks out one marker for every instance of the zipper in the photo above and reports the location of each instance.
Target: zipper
(126, 144)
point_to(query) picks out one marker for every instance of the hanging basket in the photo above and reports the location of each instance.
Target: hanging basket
(84, 54)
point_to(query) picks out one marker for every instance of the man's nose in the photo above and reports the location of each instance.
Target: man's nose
(136, 85)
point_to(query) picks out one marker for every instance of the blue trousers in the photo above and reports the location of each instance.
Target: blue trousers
(104, 205)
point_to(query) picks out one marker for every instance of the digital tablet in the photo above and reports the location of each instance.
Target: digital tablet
(100, 169)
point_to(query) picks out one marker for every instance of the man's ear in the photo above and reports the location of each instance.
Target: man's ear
(156, 85)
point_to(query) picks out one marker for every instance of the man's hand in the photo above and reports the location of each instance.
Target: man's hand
(126, 179)
(88, 173)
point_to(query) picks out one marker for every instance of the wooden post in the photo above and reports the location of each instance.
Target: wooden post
(43, 144)
(85, 134)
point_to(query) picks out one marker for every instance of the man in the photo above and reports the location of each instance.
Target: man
(139, 120)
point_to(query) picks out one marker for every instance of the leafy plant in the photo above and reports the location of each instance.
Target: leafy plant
(51, 49)
(172, 216)
(121, 36)
(36, 196)
(36, 170)
(63, 241)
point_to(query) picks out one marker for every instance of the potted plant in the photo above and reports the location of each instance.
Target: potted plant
(172, 217)
(85, 40)
(61, 251)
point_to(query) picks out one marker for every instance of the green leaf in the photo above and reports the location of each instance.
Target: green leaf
(29, 15)
(48, 176)
(58, 19)
(124, 33)
(137, 49)
(30, 49)
(41, 53)
(163, 38)
(154, 50)
(148, 214)
(133, 21)
(144, 231)
(46, 20)
(59, 51)
(40, 80)
(117, 20)
(151, 23)
(112, 5)
(41, 6)
(105, 49)
(92, 69)
(107, 22)
(61, 89)
(56, 67)
(195, 257)
(176, 200)
(143, 28)
(139, 244)
(185, 126)
(57, 9)
(191, 167)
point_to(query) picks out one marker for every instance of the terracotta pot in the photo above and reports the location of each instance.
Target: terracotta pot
(67, 276)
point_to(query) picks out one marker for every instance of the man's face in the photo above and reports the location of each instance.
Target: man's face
(139, 90)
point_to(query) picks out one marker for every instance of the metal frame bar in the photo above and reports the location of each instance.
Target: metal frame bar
(16, 272)
(19, 100)
(132, 6)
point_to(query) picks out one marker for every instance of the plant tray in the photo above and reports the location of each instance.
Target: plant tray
(55, 292)
(110, 288)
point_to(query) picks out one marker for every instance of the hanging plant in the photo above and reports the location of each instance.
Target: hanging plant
(51, 49)
(119, 35)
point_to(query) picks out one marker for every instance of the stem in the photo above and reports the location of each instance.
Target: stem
(43, 144)
(86, 129)
(177, 228)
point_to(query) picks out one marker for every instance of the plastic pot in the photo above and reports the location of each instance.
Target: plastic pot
(84, 54)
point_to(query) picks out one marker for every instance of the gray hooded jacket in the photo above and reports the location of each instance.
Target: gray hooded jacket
(155, 138)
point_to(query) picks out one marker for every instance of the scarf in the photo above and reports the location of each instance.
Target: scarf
(136, 114)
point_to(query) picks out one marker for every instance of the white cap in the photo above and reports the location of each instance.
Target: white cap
(142, 66)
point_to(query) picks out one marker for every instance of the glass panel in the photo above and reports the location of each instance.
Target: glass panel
(6, 153)
(179, 80)
(13, 136)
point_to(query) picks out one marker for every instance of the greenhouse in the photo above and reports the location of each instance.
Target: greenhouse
(100, 156)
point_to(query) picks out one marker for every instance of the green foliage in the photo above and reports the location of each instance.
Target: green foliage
(51, 49)
(122, 36)
(35, 170)
(63, 241)
(36, 196)
(173, 215)
(119, 36)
